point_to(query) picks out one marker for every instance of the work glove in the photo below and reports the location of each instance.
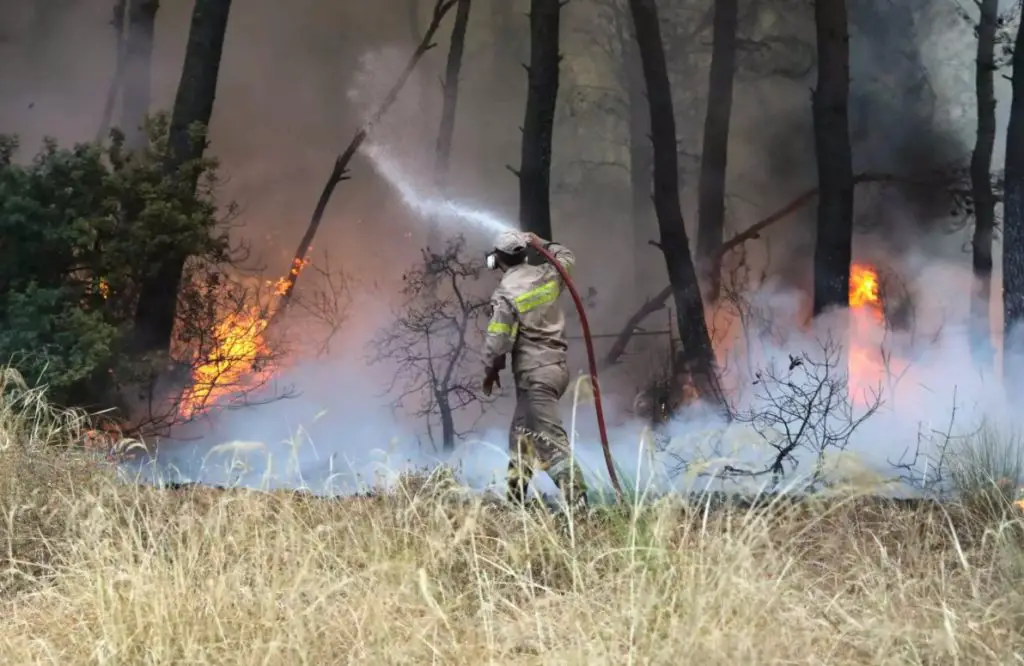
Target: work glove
(491, 379)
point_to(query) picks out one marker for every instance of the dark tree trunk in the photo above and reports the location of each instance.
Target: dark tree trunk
(538, 126)
(138, 57)
(1013, 226)
(981, 182)
(450, 86)
(833, 247)
(444, 409)
(697, 355)
(193, 104)
(714, 156)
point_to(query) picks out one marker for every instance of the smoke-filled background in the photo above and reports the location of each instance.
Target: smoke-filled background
(298, 78)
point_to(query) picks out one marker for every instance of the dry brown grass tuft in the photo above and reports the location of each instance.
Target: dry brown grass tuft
(200, 576)
(101, 572)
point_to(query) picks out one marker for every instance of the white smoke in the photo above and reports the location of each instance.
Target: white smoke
(338, 438)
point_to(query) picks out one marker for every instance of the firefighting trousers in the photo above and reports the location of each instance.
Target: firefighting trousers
(537, 440)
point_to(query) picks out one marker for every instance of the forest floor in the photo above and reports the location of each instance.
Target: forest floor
(98, 571)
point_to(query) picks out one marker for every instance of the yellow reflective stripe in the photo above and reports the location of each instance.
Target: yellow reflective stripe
(497, 328)
(542, 295)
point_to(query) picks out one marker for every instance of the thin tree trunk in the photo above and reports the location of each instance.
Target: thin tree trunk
(714, 156)
(447, 421)
(981, 182)
(193, 104)
(136, 94)
(117, 21)
(697, 354)
(450, 86)
(1013, 227)
(538, 125)
(833, 247)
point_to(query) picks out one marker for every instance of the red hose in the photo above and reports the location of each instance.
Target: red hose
(590, 358)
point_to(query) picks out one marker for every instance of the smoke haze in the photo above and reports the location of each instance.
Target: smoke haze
(298, 78)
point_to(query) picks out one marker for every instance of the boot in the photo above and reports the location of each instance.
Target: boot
(519, 476)
(574, 490)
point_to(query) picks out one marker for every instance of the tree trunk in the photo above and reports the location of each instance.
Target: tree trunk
(193, 104)
(981, 182)
(714, 156)
(1013, 225)
(136, 92)
(444, 409)
(833, 247)
(538, 126)
(450, 86)
(697, 355)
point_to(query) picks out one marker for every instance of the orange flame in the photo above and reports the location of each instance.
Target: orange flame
(864, 292)
(282, 283)
(866, 313)
(238, 345)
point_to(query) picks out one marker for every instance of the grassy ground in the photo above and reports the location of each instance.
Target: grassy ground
(99, 572)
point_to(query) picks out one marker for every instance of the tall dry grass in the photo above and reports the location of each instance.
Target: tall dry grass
(96, 571)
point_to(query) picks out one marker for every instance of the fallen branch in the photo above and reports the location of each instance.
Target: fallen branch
(752, 232)
(340, 170)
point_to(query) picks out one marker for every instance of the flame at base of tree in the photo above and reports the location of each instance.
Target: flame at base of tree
(238, 347)
(867, 318)
(238, 353)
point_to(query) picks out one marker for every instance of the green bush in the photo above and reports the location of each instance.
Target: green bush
(80, 228)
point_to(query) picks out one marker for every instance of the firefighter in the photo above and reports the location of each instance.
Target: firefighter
(527, 322)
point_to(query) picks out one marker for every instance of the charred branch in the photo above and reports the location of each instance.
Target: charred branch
(803, 405)
(340, 170)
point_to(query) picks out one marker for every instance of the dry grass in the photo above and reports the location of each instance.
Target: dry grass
(98, 572)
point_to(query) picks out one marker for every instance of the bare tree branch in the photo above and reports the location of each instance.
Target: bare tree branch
(340, 170)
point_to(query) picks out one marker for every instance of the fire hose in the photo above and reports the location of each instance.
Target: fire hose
(591, 359)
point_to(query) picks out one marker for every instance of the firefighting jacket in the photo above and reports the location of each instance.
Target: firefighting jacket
(526, 319)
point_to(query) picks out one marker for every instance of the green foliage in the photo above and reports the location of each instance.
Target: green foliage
(80, 228)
